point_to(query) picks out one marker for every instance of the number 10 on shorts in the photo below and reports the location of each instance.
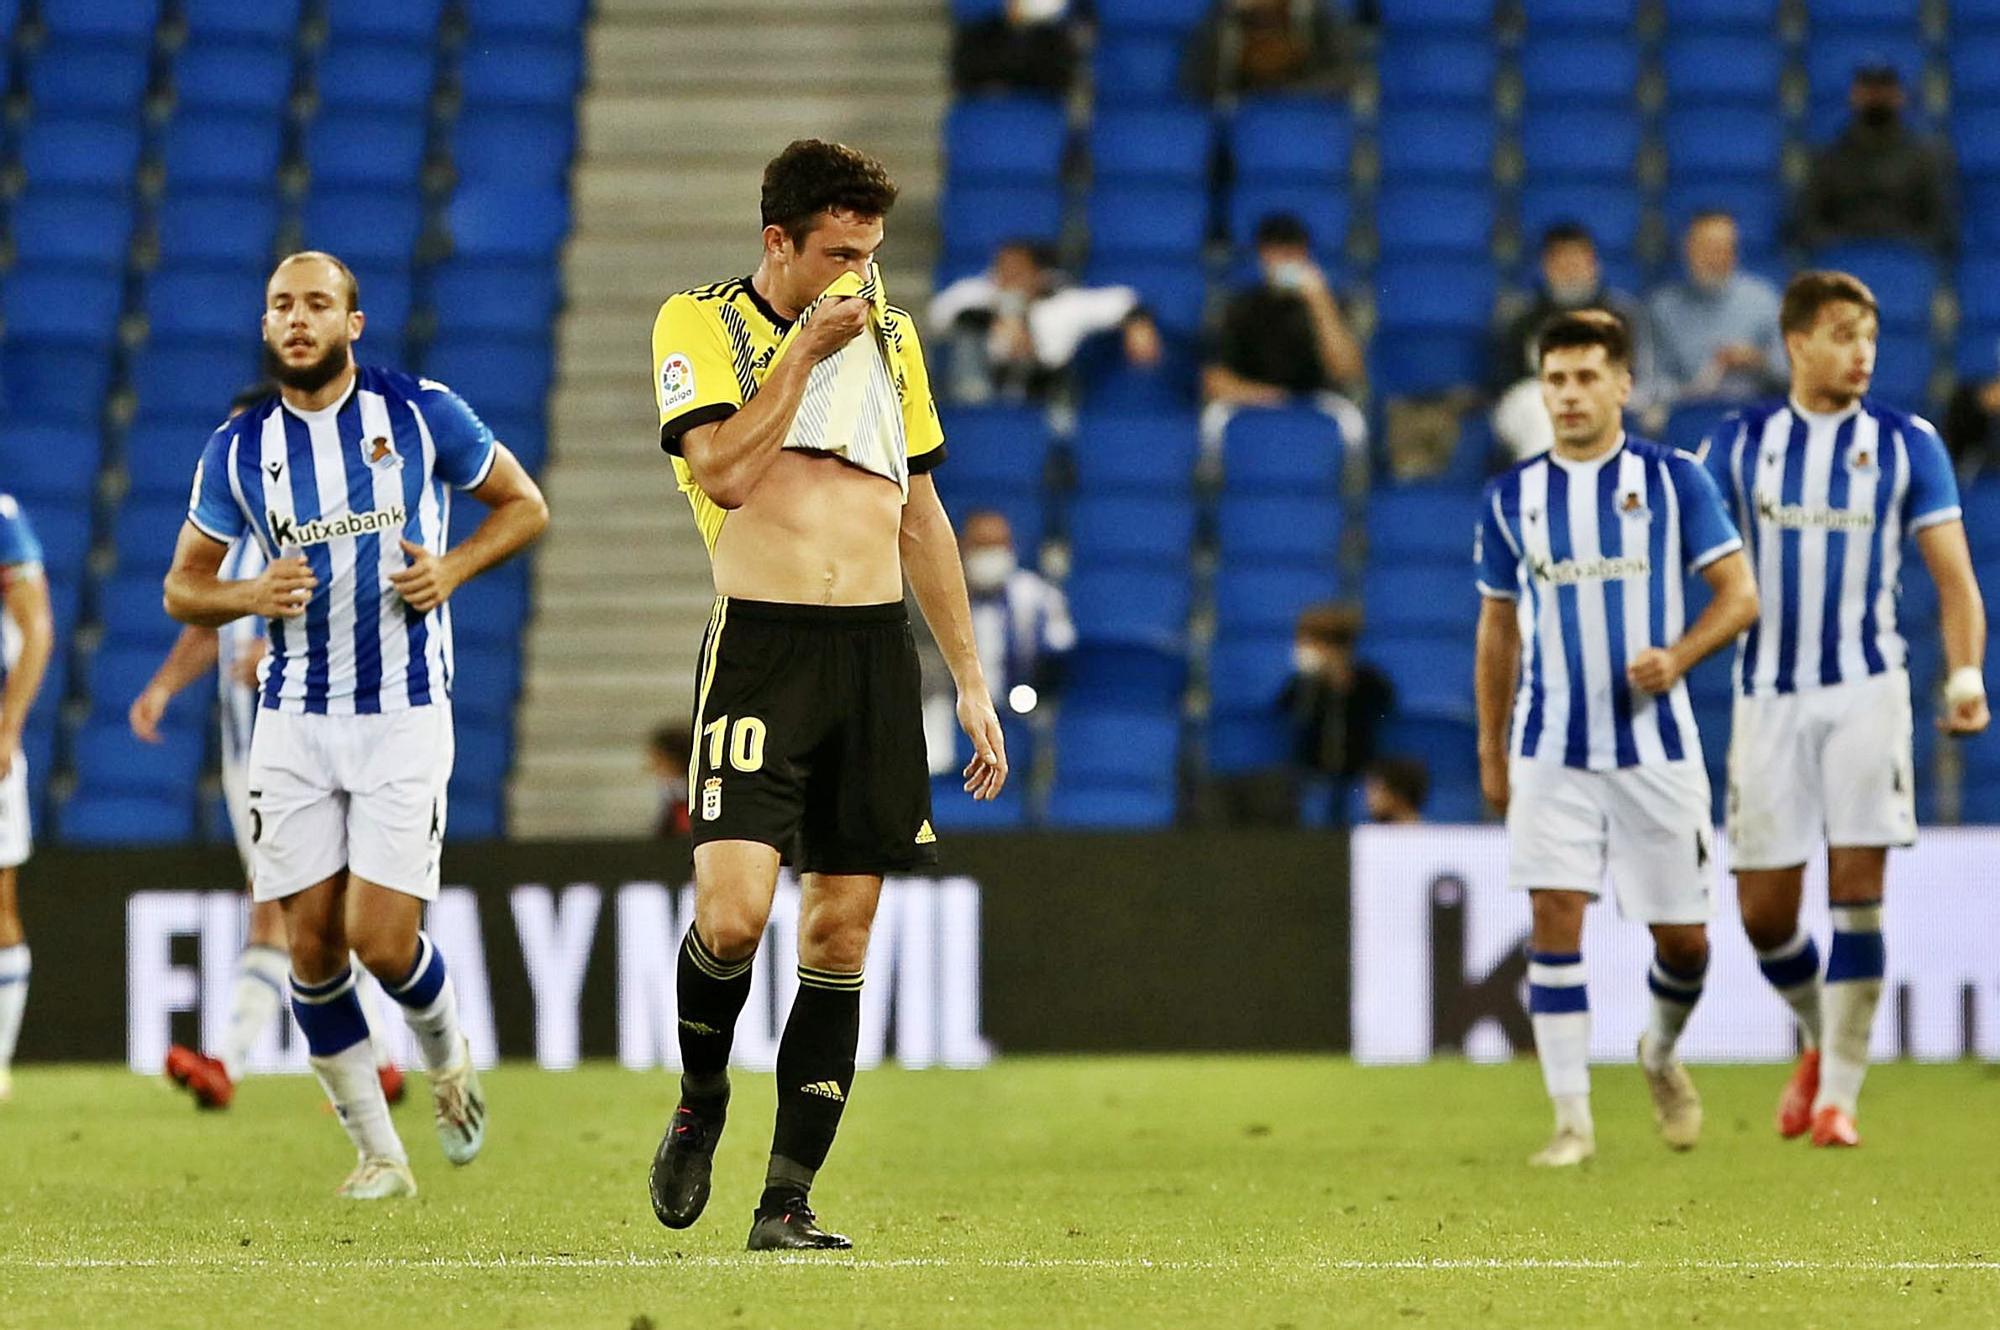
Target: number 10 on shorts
(744, 741)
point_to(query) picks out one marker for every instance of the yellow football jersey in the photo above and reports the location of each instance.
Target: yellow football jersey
(714, 346)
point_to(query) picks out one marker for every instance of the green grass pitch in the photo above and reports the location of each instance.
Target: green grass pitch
(1041, 1193)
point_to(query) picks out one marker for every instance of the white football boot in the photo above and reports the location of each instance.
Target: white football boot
(459, 1109)
(376, 1178)
(1676, 1105)
(1568, 1148)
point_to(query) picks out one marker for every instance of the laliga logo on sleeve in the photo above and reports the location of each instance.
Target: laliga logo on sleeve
(676, 381)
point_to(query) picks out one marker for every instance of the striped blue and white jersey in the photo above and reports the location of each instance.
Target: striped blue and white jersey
(342, 486)
(20, 555)
(233, 641)
(1826, 502)
(1596, 555)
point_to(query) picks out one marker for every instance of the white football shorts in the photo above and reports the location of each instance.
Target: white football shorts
(16, 842)
(1649, 825)
(364, 793)
(1828, 764)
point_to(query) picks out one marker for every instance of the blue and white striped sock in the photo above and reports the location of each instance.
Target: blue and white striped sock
(330, 1016)
(1559, 1009)
(1855, 965)
(1793, 969)
(1674, 994)
(430, 1006)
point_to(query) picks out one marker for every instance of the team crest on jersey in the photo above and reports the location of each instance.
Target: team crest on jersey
(676, 381)
(1862, 458)
(381, 453)
(1632, 504)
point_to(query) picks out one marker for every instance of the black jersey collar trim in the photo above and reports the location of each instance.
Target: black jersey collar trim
(764, 306)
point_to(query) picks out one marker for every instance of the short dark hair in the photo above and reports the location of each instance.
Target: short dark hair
(1567, 233)
(1816, 288)
(1586, 327)
(812, 176)
(1711, 215)
(1282, 228)
(1406, 777)
(1334, 623)
(321, 256)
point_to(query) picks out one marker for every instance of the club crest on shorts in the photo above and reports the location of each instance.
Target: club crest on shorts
(711, 799)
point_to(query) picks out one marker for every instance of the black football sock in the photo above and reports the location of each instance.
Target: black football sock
(712, 993)
(815, 1073)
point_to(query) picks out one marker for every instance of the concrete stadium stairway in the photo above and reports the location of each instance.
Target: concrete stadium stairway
(687, 100)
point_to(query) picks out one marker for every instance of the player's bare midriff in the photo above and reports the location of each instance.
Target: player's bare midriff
(816, 531)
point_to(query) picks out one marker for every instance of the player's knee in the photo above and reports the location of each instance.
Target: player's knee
(316, 955)
(1767, 923)
(387, 956)
(833, 940)
(1682, 950)
(730, 932)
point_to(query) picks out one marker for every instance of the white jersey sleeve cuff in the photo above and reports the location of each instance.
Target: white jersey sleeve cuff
(1932, 518)
(1709, 556)
(209, 531)
(1496, 593)
(485, 468)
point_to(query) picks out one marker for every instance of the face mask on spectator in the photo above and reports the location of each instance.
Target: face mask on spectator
(1307, 658)
(988, 567)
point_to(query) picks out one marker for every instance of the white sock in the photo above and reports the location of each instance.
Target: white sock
(436, 1029)
(1674, 996)
(356, 1094)
(1793, 969)
(378, 1038)
(14, 968)
(1853, 992)
(1559, 1009)
(262, 978)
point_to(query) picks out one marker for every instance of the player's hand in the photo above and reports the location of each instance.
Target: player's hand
(1653, 670)
(1493, 782)
(427, 583)
(833, 326)
(283, 589)
(245, 669)
(1969, 716)
(986, 774)
(147, 708)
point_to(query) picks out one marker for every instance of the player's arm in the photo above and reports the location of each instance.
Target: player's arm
(197, 595)
(516, 515)
(930, 558)
(193, 655)
(1732, 608)
(27, 604)
(1496, 657)
(1962, 624)
(728, 458)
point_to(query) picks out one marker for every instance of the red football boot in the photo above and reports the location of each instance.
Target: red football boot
(392, 1082)
(200, 1075)
(1795, 1115)
(1834, 1128)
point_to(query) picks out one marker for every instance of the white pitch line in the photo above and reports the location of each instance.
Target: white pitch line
(1500, 1265)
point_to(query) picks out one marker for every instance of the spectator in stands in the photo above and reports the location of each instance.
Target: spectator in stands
(1014, 328)
(1284, 340)
(1019, 618)
(1878, 180)
(1335, 701)
(1396, 789)
(1571, 280)
(1251, 46)
(1029, 47)
(1972, 420)
(668, 752)
(1716, 333)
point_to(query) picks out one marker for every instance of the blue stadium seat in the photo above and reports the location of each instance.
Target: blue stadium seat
(1170, 16)
(71, 230)
(1117, 746)
(1025, 512)
(1574, 70)
(1903, 363)
(160, 459)
(1757, 205)
(1247, 674)
(120, 673)
(1128, 451)
(1434, 219)
(1137, 606)
(1268, 600)
(1405, 362)
(1135, 220)
(391, 20)
(380, 75)
(51, 464)
(1416, 524)
(91, 74)
(1005, 139)
(1447, 746)
(1572, 15)
(1282, 450)
(1759, 16)
(1168, 145)
(1975, 69)
(82, 151)
(954, 810)
(1175, 294)
(1428, 71)
(1976, 139)
(1974, 15)
(523, 299)
(144, 533)
(364, 226)
(1291, 138)
(1598, 144)
(1435, 294)
(58, 305)
(270, 21)
(1110, 807)
(1279, 529)
(64, 534)
(518, 147)
(1613, 213)
(1690, 424)
(507, 223)
(372, 148)
(231, 150)
(1109, 383)
(1447, 144)
(1322, 207)
(233, 75)
(520, 73)
(498, 374)
(1136, 68)
(129, 606)
(204, 302)
(388, 300)
(485, 753)
(488, 612)
(998, 447)
(65, 384)
(1832, 57)
(1238, 745)
(1432, 672)
(217, 227)
(193, 379)
(476, 816)
(526, 435)
(976, 220)
(1704, 143)
(1469, 16)
(1903, 277)
(1877, 15)
(1122, 675)
(1125, 528)
(1704, 69)
(1418, 599)
(103, 20)
(90, 820)
(550, 19)
(485, 684)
